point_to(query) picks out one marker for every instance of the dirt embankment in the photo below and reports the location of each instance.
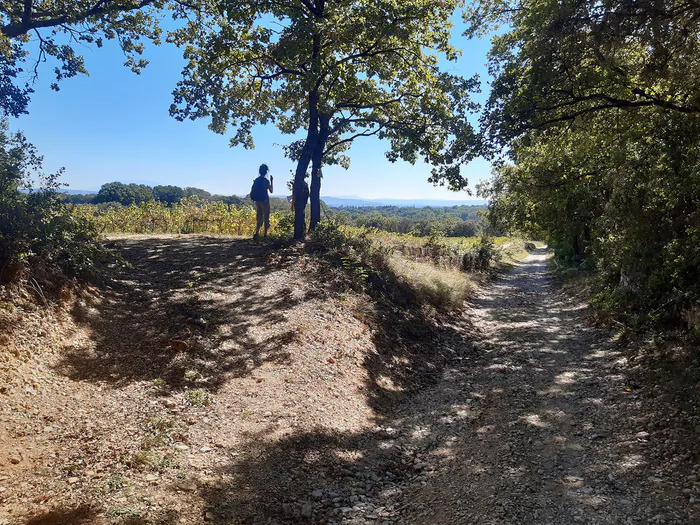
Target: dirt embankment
(210, 382)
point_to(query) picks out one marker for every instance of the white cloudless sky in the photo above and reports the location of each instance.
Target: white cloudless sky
(114, 126)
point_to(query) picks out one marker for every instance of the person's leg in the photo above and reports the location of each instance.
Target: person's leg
(258, 218)
(266, 211)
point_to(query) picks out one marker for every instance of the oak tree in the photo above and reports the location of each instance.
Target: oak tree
(58, 29)
(334, 70)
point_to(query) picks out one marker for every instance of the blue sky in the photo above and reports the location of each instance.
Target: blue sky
(114, 125)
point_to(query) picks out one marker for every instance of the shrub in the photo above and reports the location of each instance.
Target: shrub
(479, 258)
(38, 233)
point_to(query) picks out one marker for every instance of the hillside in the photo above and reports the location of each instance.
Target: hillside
(223, 381)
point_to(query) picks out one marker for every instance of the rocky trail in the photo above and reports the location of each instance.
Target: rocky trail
(209, 385)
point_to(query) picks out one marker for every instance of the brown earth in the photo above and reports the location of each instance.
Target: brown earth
(220, 381)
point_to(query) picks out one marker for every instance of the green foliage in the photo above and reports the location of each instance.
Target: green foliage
(124, 193)
(603, 131)
(198, 397)
(190, 215)
(455, 221)
(168, 194)
(37, 229)
(560, 60)
(116, 482)
(336, 71)
(60, 29)
(480, 257)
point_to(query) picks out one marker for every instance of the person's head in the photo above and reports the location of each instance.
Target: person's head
(263, 170)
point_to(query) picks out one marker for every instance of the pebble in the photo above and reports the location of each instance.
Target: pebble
(208, 516)
(186, 485)
(15, 459)
(181, 446)
(306, 510)
(73, 480)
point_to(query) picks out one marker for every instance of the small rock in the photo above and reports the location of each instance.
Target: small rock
(204, 450)
(306, 510)
(642, 435)
(151, 477)
(209, 516)
(73, 480)
(186, 485)
(268, 414)
(15, 459)
(317, 494)
(181, 446)
(178, 345)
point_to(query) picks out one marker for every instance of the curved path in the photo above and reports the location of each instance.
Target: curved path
(552, 432)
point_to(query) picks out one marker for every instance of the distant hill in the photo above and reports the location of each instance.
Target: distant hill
(335, 202)
(78, 192)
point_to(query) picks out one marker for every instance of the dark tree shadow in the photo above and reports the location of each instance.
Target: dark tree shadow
(557, 366)
(187, 302)
(84, 514)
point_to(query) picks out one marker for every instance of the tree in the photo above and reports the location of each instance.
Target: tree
(168, 194)
(335, 70)
(561, 60)
(598, 107)
(37, 231)
(197, 192)
(60, 27)
(124, 193)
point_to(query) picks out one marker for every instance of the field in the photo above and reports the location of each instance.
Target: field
(187, 216)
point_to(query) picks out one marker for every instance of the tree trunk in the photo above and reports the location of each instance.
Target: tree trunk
(301, 193)
(316, 173)
(315, 195)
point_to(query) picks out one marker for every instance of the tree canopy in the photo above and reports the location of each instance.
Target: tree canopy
(61, 28)
(564, 59)
(335, 71)
(598, 107)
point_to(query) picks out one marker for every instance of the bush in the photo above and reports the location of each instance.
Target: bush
(480, 257)
(37, 229)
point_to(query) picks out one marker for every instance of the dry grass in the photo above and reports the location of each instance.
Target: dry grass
(444, 288)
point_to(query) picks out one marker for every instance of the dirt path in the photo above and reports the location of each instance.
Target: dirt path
(552, 431)
(286, 406)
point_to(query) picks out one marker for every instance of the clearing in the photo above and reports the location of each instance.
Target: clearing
(210, 383)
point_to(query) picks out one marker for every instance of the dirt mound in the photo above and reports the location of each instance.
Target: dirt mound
(156, 396)
(219, 381)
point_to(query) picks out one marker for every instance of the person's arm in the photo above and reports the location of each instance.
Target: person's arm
(271, 179)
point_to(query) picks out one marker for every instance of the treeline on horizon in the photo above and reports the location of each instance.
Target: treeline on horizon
(451, 221)
(130, 193)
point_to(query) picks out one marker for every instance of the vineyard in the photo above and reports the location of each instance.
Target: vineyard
(190, 215)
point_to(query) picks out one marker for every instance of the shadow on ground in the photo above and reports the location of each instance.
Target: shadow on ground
(184, 303)
(524, 428)
(515, 419)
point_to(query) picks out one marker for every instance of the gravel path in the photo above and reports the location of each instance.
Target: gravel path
(550, 433)
(517, 412)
